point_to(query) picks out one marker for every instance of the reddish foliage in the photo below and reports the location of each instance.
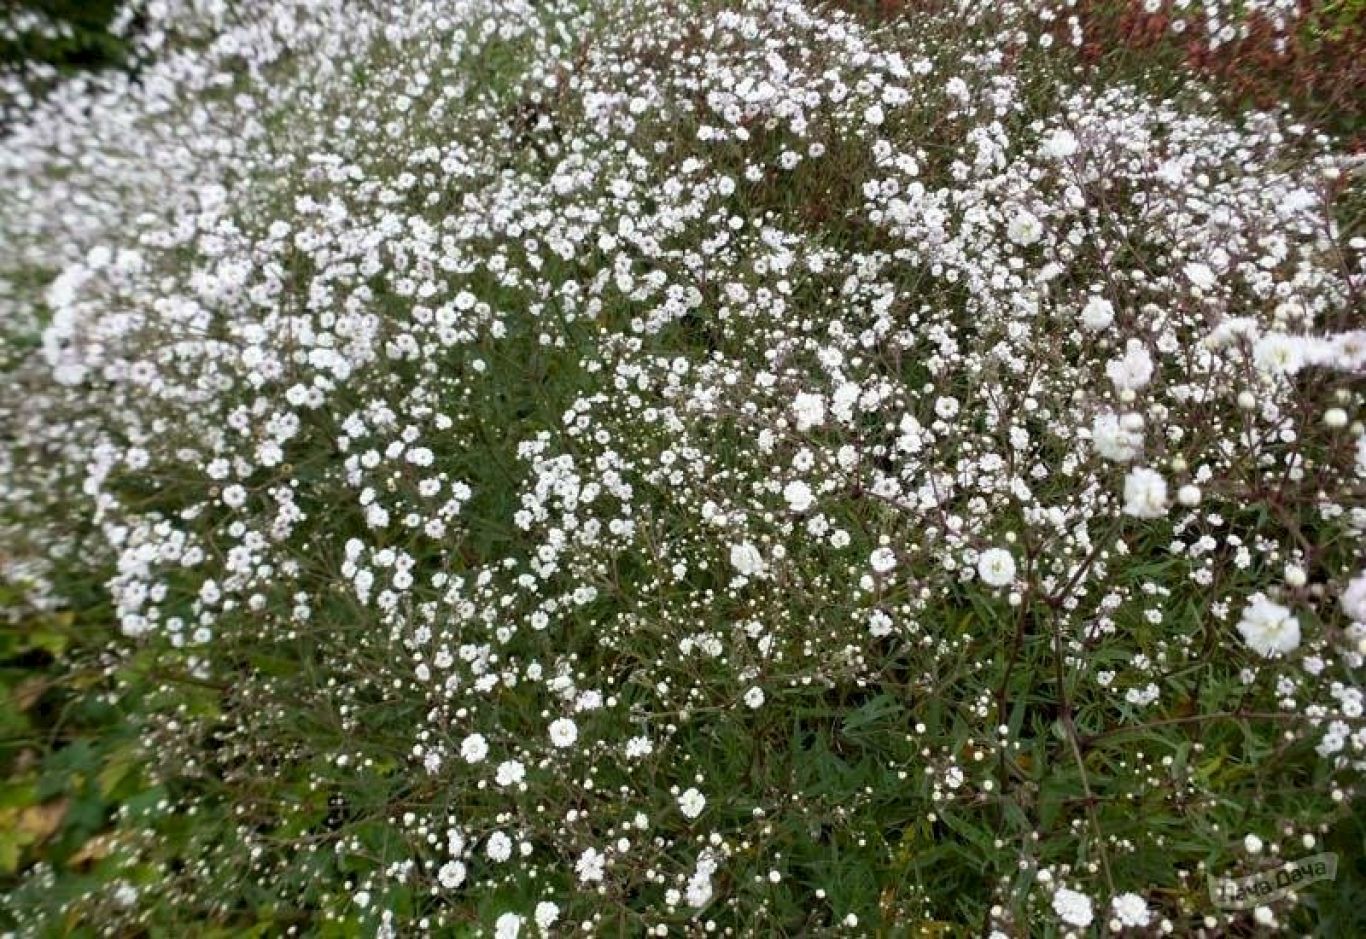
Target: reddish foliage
(1319, 73)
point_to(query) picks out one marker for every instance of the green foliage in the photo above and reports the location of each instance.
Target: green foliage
(85, 41)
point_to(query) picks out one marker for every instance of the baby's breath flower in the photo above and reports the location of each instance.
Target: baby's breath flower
(563, 732)
(691, 803)
(1131, 910)
(1145, 493)
(1072, 907)
(996, 567)
(1269, 628)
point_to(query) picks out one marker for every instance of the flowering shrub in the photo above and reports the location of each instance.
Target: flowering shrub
(720, 467)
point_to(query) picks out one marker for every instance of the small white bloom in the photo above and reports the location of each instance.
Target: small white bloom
(507, 926)
(1145, 493)
(883, 560)
(1200, 275)
(1353, 598)
(1131, 910)
(1059, 145)
(509, 773)
(451, 874)
(754, 697)
(545, 914)
(996, 567)
(1133, 370)
(809, 409)
(590, 866)
(1024, 229)
(1072, 907)
(498, 847)
(474, 748)
(1113, 440)
(1098, 314)
(1278, 354)
(563, 732)
(1269, 628)
(691, 803)
(746, 559)
(798, 495)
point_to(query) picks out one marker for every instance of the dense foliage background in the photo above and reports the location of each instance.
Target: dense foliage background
(675, 523)
(81, 41)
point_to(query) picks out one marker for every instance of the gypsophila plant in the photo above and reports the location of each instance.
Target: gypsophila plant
(665, 469)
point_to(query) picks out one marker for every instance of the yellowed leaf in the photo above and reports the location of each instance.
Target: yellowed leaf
(28, 692)
(95, 849)
(39, 822)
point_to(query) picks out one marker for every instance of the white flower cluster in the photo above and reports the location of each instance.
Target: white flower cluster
(610, 380)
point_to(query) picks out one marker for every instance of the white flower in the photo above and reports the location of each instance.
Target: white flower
(1113, 440)
(474, 748)
(1133, 370)
(798, 495)
(498, 847)
(1189, 495)
(691, 803)
(1024, 229)
(996, 567)
(545, 914)
(451, 874)
(1097, 314)
(879, 624)
(638, 747)
(563, 733)
(1345, 351)
(1353, 598)
(809, 409)
(754, 697)
(1145, 493)
(507, 926)
(883, 560)
(699, 892)
(1131, 910)
(1059, 145)
(1279, 354)
(1269, 628)
(1200, 275)
(509, 773)
(746, 559)
(1072, 907)
(1252, 844)
(590, 866)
